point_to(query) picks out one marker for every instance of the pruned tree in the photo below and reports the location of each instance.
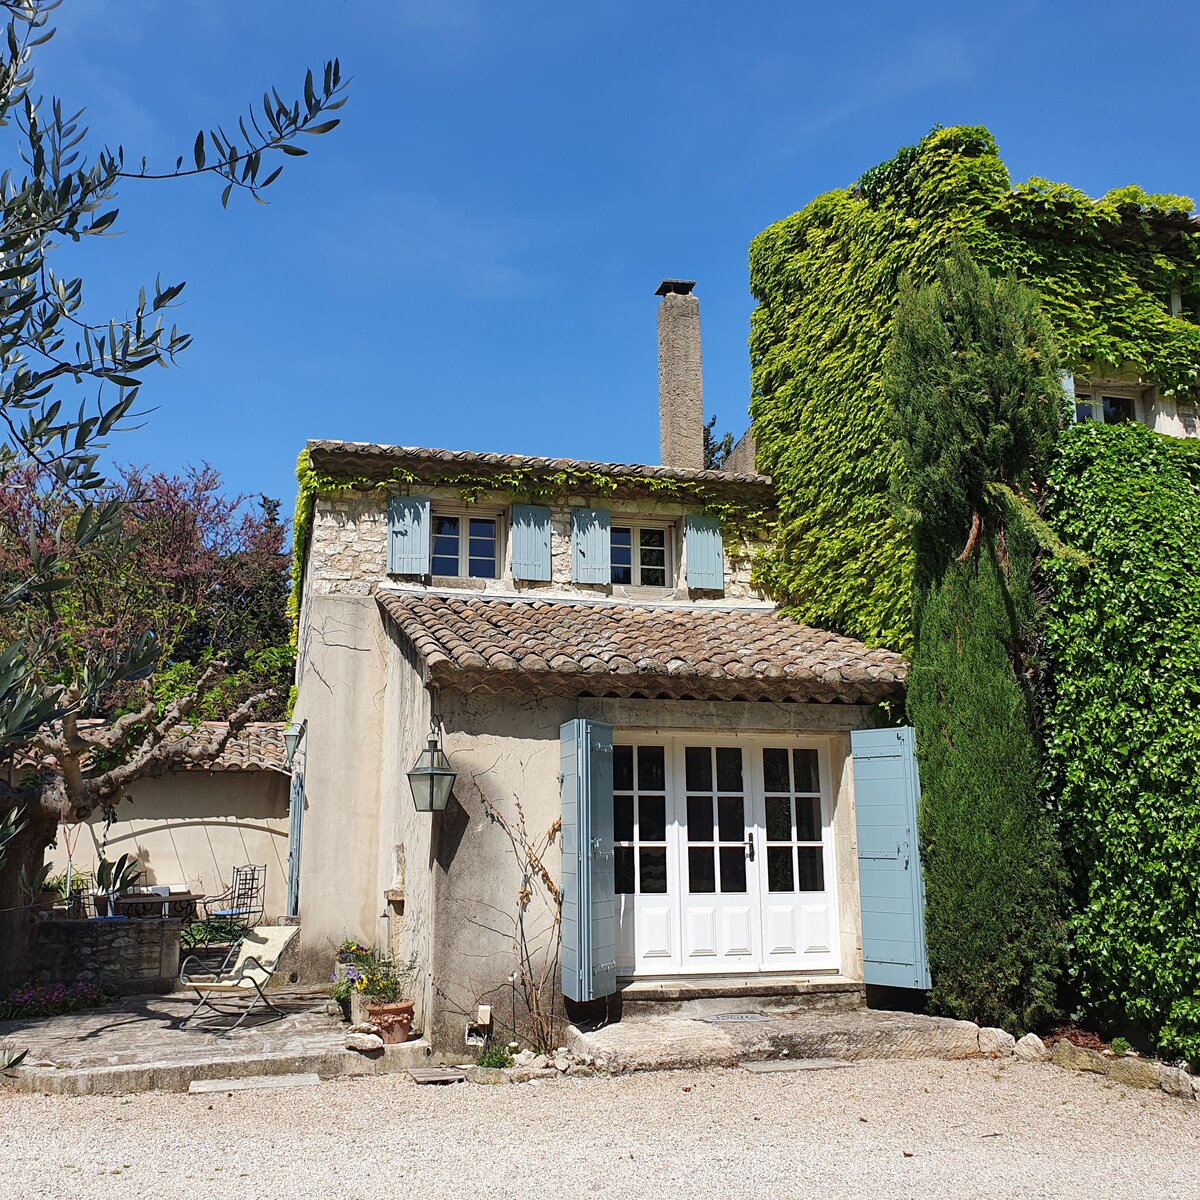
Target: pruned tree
(54, 193)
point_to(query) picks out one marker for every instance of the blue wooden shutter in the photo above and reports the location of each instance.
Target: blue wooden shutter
(530, 542)
(705, 554)
(887, 791)
(408, 535)
(295, 822)
(590, 545)
(589, 911)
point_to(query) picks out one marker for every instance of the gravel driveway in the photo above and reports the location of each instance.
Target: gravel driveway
(971, 1128)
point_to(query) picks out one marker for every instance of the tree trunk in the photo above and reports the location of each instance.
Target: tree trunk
(19, 914)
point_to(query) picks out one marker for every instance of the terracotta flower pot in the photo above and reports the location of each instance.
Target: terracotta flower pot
(394, 1020)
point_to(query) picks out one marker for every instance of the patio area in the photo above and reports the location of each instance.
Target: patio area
(139, 1044)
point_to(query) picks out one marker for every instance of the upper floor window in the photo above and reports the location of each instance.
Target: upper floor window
(1106, 405)
(640, 555)
(465, 546)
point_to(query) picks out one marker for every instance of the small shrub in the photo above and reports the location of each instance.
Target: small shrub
(35, 1000)
(1120, 1047)
(495, 1054)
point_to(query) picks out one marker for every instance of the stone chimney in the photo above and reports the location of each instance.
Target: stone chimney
(680, 386)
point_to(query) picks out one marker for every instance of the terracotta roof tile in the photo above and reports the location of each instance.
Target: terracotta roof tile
(377, 462)
(257, 747)
(559, 646)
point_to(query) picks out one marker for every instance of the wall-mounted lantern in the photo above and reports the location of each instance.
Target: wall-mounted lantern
(432, 778)
(293, 735)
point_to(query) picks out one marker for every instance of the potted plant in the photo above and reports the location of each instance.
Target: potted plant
(375, 987)
(40, 889)
(112, 879)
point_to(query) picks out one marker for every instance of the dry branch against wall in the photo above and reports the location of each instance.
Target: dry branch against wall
(537, 951)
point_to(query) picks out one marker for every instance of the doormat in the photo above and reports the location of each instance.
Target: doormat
(734, 1018)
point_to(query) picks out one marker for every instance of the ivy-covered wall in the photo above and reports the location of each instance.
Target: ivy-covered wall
(1122, 723)
(826, 280)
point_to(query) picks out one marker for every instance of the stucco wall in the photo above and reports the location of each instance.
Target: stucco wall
(348, 550)
(341, 692)
(404, 867)
(193, 828)
(506, 748)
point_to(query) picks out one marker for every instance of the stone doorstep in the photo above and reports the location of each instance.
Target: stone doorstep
(676, 1041)
(176, 1076)
(698, 987)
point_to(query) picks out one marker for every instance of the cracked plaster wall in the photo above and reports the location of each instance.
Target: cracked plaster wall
(341, 693)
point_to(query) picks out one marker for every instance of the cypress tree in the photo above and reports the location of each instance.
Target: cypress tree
(977, 405)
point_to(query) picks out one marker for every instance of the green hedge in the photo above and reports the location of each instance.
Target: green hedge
(1123, 724)
(826, 281)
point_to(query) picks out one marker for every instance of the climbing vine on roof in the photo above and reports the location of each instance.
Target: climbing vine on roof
(826, 281)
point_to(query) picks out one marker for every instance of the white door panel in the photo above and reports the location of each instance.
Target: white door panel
(724, 855)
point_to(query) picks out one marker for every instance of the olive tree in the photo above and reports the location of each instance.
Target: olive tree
(69, 382)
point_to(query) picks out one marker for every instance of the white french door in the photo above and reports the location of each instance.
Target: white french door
(724, 855)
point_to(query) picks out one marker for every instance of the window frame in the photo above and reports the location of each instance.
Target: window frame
(636, 527)
(467, 513)
(1092, 397)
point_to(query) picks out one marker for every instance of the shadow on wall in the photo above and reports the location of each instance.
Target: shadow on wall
(192, 828)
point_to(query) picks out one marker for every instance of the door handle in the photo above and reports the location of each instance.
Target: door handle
(750, 844)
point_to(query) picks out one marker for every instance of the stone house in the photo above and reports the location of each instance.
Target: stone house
(585, 642)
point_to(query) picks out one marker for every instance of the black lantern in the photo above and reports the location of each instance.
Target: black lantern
(432, 779)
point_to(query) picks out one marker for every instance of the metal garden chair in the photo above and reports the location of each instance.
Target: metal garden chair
(245, 973)
(242, 904)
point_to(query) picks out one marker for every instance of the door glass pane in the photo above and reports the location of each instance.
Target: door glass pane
(775, 771)
(651, 769)
(699, 819)
(621, 555)
(808, 776)
(652, 818)
(623, 768)
(698, 768)
(623, 863)
(729, 769)
(733, 869)
(731, 819)
(622, 818)
(652, 862)
(812, 869)
(701, 873)
(808, 819)
(779, 819)
(780, 873)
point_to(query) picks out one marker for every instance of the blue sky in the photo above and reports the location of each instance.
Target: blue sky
(470, 260)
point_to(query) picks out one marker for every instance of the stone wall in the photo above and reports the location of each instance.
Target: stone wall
(130, 956)
(348, 551)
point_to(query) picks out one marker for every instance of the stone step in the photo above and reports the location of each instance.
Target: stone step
(177, 1075)
(701, 996)
(671, 1042)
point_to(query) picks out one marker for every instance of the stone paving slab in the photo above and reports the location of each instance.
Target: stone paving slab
(674, 1042)
(252, 1083)
(139, 1044)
